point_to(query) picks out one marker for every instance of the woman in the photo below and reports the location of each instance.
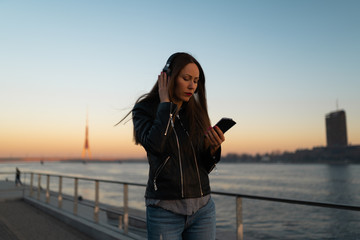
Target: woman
(172, 124)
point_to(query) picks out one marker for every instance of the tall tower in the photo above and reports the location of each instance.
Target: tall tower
(86, 148)
(336, 135)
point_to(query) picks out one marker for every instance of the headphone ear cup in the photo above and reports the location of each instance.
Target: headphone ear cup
(168, 63)
(166, 69)
(168, 72)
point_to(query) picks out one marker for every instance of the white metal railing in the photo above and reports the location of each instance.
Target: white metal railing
(124, 220)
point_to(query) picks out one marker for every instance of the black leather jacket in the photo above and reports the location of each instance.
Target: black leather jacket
(175, 173)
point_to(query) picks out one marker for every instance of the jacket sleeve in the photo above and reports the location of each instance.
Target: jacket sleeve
(149, 129)
(209, 161)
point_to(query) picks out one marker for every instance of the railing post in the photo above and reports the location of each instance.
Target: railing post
(239, 220)
(120, 222)
(96, 207)
(47, 188)
(24, 178)
(126, 208)
(24, 183)
(39, 186)
(76, 195)
(60, 192)
(31, 184)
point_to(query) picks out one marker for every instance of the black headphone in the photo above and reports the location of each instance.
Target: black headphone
(167, 69)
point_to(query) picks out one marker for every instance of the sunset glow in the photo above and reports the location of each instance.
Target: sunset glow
(275, 67)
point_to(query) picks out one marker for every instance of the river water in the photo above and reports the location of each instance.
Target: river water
(262, 219)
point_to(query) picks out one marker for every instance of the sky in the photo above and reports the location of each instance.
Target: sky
(277, 67)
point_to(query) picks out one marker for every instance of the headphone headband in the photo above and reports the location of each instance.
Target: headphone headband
(168, 63)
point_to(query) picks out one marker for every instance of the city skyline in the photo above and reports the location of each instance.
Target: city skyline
(275, 67)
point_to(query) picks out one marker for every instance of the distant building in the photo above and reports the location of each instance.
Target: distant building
(336, 135)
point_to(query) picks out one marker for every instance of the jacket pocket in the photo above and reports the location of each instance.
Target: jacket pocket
(158, 171)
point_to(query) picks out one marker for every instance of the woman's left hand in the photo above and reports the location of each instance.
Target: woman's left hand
(216, 138)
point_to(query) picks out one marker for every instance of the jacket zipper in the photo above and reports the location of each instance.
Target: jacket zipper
(168, 124)
(195, 159)
(170, 119)
(158, 171)
(180, 165)
(178, 147)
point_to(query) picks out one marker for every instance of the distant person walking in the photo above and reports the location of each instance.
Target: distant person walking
(172, 123)
(17, 177)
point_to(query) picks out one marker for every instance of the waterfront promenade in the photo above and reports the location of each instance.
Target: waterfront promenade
(23, 217)
(60, 196)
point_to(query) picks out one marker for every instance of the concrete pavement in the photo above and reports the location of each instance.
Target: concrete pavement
(21, 221)
(25, 218)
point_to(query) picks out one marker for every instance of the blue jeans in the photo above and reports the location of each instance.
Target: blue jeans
(165, 225)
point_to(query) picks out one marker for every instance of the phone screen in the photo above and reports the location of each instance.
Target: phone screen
(225, 124)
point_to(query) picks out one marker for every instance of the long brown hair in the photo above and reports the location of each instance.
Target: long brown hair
(196, 111)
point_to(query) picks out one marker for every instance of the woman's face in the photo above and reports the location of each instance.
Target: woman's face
(186, 82)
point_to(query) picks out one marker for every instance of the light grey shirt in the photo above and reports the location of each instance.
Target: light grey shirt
(187, 206)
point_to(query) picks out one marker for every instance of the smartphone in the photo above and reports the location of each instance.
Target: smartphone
(225, 124)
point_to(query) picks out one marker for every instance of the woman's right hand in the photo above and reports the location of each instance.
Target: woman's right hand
(163, 87)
